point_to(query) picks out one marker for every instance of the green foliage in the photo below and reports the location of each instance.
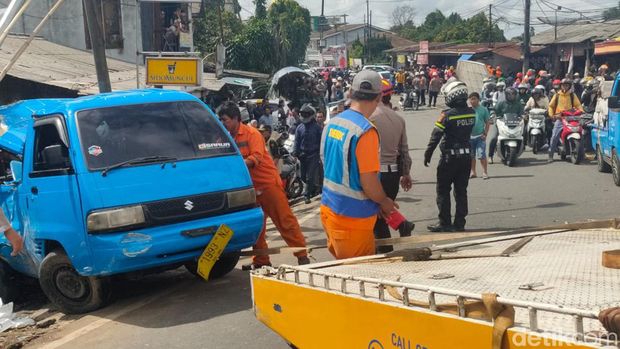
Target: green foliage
(207, 29)
(357, 49)
(612, 13)
(273, 42)
(439, 28)
(376, 46)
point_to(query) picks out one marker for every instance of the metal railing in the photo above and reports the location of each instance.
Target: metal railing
(533, 308)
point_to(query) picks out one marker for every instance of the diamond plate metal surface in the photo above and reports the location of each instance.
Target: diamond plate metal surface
(565, 269)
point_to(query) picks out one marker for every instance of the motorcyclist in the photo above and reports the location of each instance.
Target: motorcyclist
(562, 101)
(589, 95)
(511, 105)
(488, 88)
(538, 99)
(524, 94)
(555, 88)
(499, 95)
(577, 87)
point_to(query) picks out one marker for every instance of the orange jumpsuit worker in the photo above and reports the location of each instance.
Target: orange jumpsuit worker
(352, 192)
(269, 193)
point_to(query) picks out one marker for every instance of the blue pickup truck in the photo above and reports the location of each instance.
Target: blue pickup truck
(606, 133)
(116, 183)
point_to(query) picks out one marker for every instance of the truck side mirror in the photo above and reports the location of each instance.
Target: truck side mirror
(55, 156)
(613, 102)
(16, 170)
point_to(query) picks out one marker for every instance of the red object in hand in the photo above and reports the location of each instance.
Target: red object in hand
(395, 219)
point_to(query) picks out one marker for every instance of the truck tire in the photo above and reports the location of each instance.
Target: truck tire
(68, 290)
(615, 167)
(600, 162)
(8, 286)
(223, 266)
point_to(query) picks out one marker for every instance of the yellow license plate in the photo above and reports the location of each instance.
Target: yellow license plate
(214, 250)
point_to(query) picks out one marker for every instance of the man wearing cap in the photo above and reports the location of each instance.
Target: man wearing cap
(266, 179)
(352, 191)
(453, 131)
(307, 149)
(395, 160)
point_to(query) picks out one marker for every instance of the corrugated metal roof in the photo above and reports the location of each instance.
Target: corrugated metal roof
(52, 64)
(578, 32)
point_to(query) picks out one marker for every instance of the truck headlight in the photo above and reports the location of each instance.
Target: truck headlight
(241, 198)
(115, 218)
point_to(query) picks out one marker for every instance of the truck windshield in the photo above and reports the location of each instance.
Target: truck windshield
(181, 130)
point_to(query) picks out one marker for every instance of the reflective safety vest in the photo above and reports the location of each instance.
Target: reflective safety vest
(342, 189)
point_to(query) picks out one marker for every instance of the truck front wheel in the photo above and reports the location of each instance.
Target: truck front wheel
(615, 167)
(68, 290)
(224, 265)
(8, 287)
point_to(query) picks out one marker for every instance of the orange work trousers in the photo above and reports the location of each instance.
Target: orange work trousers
(274, 203)
(348, 237)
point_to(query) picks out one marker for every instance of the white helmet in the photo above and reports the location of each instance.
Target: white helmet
(455, 93)
(501, 84)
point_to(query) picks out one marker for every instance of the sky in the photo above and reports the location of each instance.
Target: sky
(511, 11)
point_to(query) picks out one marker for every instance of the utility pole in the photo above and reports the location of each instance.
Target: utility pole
(369, 34)
(367, 31)
(97, 42)
(490, 25)
(526, 37)
(556, 22)
(219, 16)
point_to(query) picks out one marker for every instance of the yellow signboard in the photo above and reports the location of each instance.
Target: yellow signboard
(185, 71)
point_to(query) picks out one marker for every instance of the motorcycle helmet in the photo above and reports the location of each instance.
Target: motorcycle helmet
(556, 83)
(386, 88)
(455, 93)
(540, 89)
(307, 113)
(566, 81)
(511, 94)
(519, 75)
(523, 86)
(501, 85)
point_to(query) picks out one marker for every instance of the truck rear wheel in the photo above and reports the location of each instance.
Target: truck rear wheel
(600, 161)
(224, 265)
(71, 292)
(8, 286)
(615, 167)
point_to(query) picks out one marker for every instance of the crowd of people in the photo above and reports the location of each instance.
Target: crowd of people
(359, 158)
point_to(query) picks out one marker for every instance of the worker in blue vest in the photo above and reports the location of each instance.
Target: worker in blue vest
(352, 192)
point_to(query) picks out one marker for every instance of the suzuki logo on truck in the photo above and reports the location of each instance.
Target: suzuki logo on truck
(189, 205)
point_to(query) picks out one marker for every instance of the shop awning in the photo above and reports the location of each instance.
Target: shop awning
(607, 47)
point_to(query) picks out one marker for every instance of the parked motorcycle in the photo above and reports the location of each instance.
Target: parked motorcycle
(536, 129)
(510, 143)
(571, 137)
(409, 100)
(290, 167)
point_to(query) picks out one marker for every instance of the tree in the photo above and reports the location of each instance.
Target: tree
(291, 28)
(402, 16)
(273, 42)
(207, 30)
(357, 49)
(261, 8)
(612, 13)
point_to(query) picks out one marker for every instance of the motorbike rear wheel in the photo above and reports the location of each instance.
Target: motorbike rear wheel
(295, 188)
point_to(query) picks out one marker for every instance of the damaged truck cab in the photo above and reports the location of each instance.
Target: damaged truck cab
(118, 183)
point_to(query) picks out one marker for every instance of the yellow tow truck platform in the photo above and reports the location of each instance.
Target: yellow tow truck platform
(541, 289)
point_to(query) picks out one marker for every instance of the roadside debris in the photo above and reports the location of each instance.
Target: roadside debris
(8, 319)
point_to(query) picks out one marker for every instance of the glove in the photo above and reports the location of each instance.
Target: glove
(427, 161)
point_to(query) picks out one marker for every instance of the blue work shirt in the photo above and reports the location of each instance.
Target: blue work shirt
(308, 138)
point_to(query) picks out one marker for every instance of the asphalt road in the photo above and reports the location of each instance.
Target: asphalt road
(175, 310)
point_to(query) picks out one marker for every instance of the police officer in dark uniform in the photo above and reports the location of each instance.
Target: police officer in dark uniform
(453, 131)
